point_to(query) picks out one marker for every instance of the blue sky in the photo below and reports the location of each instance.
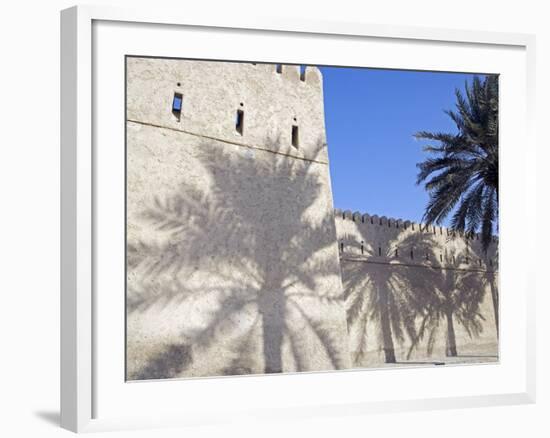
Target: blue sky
(371, 116)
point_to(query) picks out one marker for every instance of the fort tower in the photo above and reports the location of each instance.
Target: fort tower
(232, 254)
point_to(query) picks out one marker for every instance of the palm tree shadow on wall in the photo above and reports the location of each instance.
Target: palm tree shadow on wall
(490, 276)
(386, 295)
(408, 303)
(250, 245)
(456, 299)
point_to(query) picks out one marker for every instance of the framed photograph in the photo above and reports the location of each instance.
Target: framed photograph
(264, 218)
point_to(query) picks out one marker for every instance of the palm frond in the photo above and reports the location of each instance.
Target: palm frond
(461, 173)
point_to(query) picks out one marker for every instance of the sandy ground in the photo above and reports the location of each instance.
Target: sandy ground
(479, 354)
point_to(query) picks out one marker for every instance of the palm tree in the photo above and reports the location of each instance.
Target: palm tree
(462, 175)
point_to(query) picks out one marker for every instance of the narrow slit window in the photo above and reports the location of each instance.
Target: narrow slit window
(295, 136)
(302, 73)
(379, 251)
(279, 68)
(362, 248)
(412, 254)
(341, 246)
(239, 122)
(177, 105)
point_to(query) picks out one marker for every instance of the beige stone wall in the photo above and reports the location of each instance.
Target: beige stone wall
(232, 256)
(404, 281)
(214, 91)
(236, 259)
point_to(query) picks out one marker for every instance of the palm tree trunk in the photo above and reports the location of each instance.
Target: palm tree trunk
(451, 338)
(385, 326)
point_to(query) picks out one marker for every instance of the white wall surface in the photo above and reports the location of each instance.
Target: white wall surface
(29, 218)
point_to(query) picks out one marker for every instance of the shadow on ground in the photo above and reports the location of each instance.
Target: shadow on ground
(50, 417)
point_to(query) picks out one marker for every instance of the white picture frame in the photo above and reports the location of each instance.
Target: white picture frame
(81, 366)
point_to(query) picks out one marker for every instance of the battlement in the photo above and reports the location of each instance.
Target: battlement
(382, 239)
(309, 75)
(274, 107)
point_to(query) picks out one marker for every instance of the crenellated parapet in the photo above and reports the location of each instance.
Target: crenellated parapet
(272, 107)
(380, 239)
